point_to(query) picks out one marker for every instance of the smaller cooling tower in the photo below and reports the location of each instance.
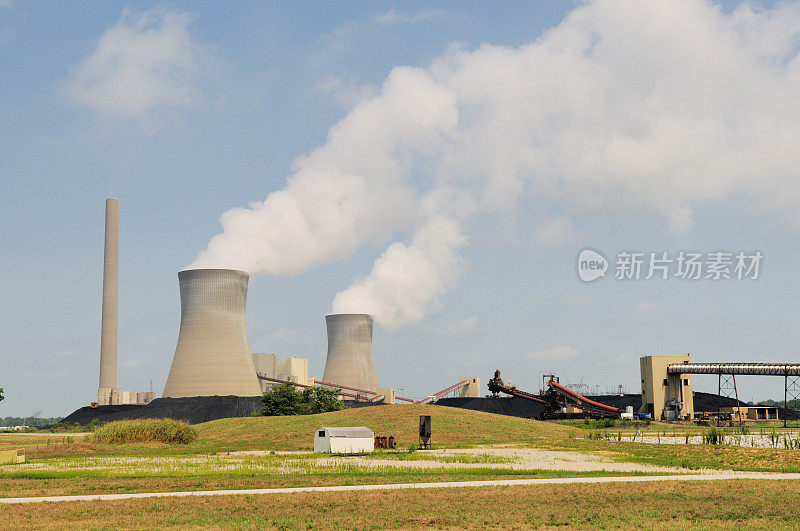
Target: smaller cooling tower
(350, 360)
(212, 356)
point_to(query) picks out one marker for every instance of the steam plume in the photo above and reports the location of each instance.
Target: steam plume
(636, 107)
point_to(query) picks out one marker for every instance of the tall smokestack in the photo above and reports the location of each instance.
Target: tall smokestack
(108, 333)
(350, 360)
(212, 356)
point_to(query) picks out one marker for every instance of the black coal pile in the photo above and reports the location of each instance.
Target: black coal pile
(708, 401)
(193, 410)
(520, 407)
(513, 406)
(619, 401)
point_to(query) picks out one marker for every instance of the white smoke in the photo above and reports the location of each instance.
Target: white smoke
(406, 281)
(631, 107)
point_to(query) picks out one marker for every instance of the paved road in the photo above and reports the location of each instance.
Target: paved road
(397, 486)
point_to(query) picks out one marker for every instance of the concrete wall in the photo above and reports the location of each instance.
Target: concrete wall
(145, 398)
(473, 389)
(290, 369)
(658, 387)
(350, 361)
(116, 396)
(388, 396)
(212, 356)
(104, 396)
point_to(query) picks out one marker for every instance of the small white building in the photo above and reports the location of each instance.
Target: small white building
(344, 440)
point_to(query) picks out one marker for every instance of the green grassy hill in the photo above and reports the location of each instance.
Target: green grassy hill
(451, 427)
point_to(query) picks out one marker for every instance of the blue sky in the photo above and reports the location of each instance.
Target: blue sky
(482, 147)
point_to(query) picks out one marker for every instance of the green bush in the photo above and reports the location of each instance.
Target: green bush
(285, 399)
(598, 424)
(95, 424)
(146, 430)
(714, 436)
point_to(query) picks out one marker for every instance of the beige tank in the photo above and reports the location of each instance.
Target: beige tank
(212, 356)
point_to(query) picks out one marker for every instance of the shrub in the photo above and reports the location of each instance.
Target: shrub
(714, 436)
(146, 430)
(284, 399)
(94, 424)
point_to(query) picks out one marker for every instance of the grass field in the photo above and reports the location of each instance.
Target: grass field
(736, 504)
(72, 464)
(452, 428)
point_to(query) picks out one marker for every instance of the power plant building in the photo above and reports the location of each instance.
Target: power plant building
(665, 393)
(212, 356)
(290, 370)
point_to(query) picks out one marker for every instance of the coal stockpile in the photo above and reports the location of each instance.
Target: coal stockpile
(619, 401)
(708, 401)
(193, 410)
(519, 407)
(513, 406)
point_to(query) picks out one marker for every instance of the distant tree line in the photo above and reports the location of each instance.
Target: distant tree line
(29, 421)
(792, 404)
(285, 399)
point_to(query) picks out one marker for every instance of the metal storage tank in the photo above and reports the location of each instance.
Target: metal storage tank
(350, 361)
(212, 356)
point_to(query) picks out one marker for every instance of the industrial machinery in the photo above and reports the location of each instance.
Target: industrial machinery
(559, 401)
(381, 441)
(425, 431)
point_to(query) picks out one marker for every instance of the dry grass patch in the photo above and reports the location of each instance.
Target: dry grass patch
(167, 431)
(732, 504)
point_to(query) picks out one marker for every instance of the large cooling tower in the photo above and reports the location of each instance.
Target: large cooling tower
(212, 356)
(108, 333)
(350, 360)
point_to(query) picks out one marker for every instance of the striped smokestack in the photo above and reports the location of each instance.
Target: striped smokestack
(108, 334)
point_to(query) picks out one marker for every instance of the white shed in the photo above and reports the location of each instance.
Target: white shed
(344, 440)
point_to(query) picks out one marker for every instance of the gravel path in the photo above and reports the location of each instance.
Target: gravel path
(398, 486)
(519, 459)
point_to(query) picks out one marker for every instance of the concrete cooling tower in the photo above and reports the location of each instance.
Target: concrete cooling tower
(350, 360)
(212, 356)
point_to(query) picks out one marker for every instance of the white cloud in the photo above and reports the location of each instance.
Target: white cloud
(392, 17)
(556, 231)
(281, 333)
(407, 281)
(146, 62)
(347, 93)
(130, 363)
(633, 109)
(457, 327)
(553, 354)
